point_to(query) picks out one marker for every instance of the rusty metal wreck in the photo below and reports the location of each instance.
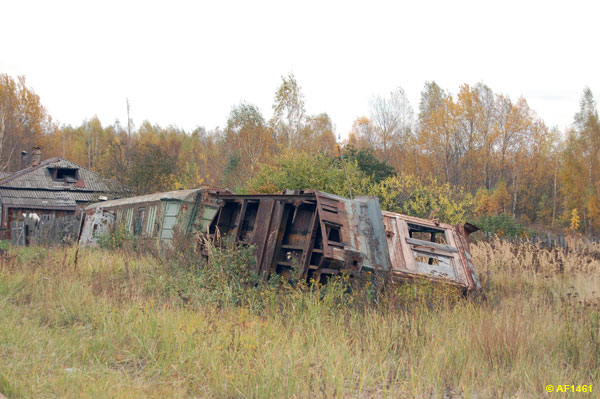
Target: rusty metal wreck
(321, 234)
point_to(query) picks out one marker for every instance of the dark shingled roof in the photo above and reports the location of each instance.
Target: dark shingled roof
(37, 199)
(39, 177)
(34, 187)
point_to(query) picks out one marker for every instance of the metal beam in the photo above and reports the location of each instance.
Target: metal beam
(276, 197)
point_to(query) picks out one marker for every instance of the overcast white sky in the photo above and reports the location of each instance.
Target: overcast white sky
(187, 63)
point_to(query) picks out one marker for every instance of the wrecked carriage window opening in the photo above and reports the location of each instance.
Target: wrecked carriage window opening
(334, 236)
(225, 219)
(139, 221)
(435, 264)
(249, 220)
(427, 233)
(436, 258)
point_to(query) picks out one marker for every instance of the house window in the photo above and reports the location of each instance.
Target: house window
(69, 175)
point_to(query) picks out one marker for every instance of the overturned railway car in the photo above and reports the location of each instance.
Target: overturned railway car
(152, 218)
(320, 233)
(325, 235)
(427, 248)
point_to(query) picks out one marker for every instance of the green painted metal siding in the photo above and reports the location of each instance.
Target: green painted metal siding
(171, 210)
(129, 220)
(151, 221)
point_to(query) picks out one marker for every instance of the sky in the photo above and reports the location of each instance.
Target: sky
(187, 63)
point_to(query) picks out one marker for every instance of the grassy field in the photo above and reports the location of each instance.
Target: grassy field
(118, 324)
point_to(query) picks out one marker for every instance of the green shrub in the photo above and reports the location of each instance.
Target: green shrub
(369, 164)
(115, 238)
(409, 195)
(502, 225)
(307, 171)
(226, 277)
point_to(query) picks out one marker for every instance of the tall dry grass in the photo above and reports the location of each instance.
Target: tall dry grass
(120, 324)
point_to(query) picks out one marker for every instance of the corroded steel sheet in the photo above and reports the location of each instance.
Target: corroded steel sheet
(423, 248)
(96, 224)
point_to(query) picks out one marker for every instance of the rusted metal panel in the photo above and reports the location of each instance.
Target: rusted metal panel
(394, 242)
(97, 223)
(314, 231)
(324, 234)
(265, 226)
(426, 248)
(361, 243)
(461, 234)
(369, 232)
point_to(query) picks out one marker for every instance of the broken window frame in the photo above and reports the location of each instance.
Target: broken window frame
(422, 228)
(247, 220)
(334, 234)
(441, 257)
(437, 268)
(70, 175)
(140, 215)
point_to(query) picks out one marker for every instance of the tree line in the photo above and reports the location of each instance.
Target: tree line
(475, 154)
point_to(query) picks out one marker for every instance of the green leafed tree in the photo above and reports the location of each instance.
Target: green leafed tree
(299, 171)
(411, 196)
(368, 163)
(152, 169)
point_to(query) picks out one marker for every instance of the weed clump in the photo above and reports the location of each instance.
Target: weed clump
(115, 238)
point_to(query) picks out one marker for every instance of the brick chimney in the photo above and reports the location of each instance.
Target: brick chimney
(24, 159)
(36, 156)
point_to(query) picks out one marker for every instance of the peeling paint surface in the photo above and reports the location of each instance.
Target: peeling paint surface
(423, 248)
(96, 224)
